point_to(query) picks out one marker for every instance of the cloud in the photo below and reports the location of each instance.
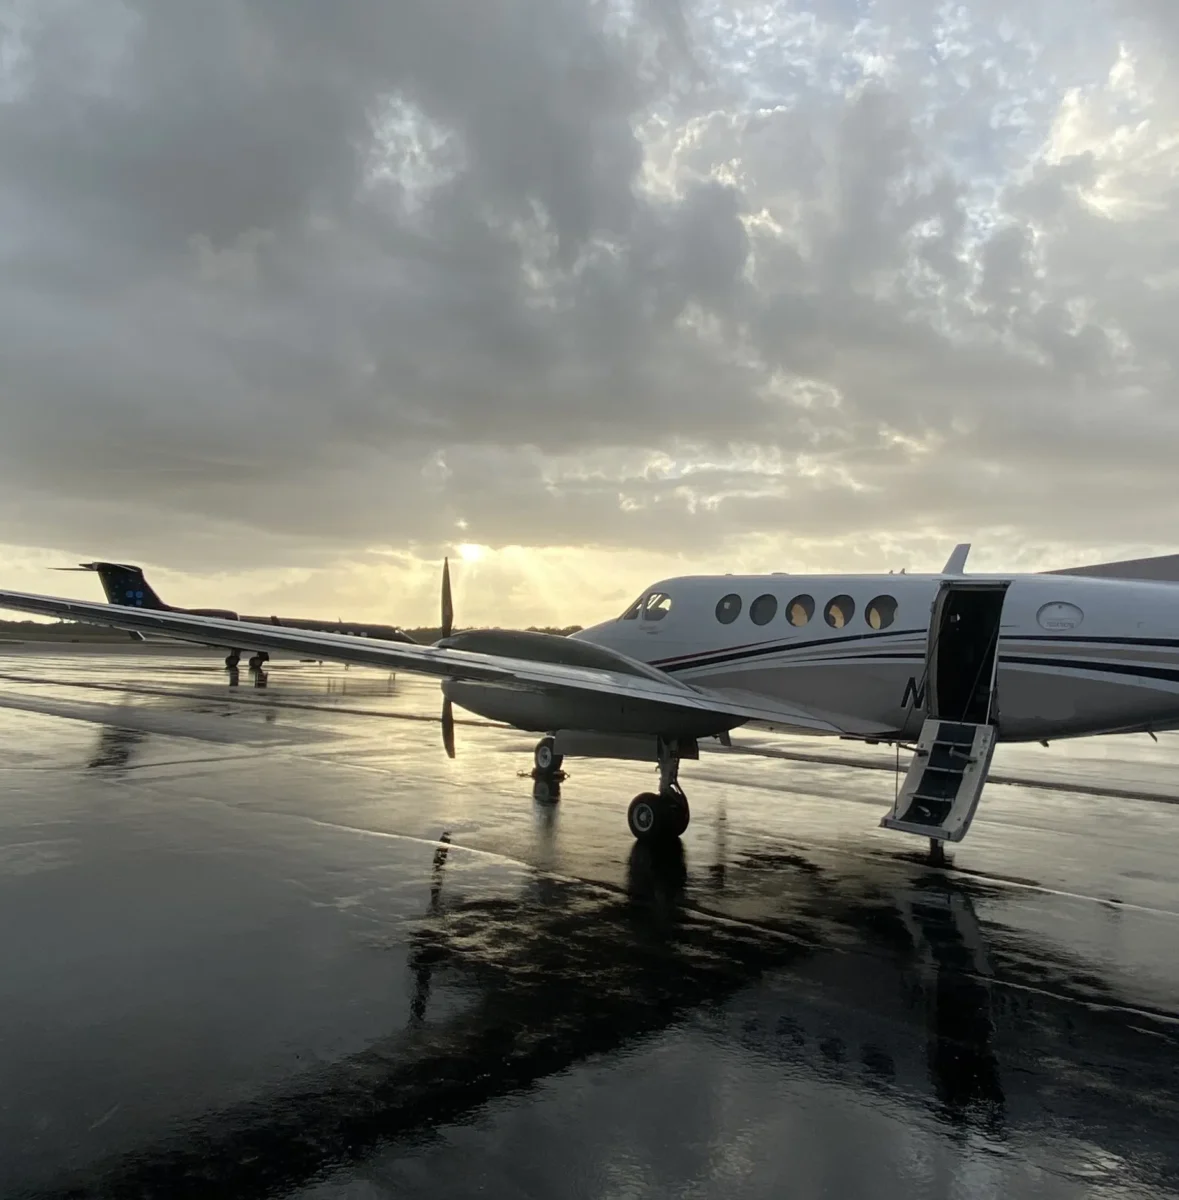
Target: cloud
(284, 284)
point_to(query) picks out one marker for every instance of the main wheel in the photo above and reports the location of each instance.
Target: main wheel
(647, 817)
(658, 818)
(545, 757)
(257, 660)
(679, 813)
(232, 659)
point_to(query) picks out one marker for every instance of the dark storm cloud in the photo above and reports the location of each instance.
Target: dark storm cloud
(203, 253)
(265, 261)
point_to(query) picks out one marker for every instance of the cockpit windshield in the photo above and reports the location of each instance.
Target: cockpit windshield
(653, 606)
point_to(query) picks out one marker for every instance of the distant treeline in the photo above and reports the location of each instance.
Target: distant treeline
(431, 633)
(75, 631)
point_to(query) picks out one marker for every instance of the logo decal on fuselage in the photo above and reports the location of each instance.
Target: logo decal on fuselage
(915, 691)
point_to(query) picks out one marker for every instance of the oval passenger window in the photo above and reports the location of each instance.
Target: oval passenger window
(840, 611)
(881, 612)
(800, 610)
(764, 609)
(728, 608)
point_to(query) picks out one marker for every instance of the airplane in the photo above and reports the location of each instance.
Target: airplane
(127, 585)
(957, 662)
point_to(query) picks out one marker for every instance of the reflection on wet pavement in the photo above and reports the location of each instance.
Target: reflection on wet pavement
(278, 947)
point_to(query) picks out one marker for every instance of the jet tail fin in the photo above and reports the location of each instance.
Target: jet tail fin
(125, 584)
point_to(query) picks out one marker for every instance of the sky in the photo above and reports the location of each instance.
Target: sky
(297, 298)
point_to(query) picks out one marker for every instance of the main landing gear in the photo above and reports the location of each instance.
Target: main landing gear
(653, 817)
(662, 816)
(234, 657)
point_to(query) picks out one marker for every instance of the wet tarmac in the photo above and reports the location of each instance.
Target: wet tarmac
(267, 940)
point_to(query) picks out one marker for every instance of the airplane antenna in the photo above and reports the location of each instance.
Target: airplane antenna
(956, 563)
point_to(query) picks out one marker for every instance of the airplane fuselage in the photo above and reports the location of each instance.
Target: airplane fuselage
(1076, 656)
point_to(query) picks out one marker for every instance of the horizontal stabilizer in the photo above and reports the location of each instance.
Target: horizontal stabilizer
(1162, 569)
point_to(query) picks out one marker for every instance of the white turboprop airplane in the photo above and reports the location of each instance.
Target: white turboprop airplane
(956, 662)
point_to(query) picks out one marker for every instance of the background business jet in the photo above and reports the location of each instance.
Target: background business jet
(957, 662)
(126, 584)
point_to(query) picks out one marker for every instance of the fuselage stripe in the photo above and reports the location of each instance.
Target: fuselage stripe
(1062, 663)
(1104, 668)
(702, 658)
(712, 659)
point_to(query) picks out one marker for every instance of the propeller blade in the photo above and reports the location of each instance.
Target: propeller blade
(447, 604)
(448, 727)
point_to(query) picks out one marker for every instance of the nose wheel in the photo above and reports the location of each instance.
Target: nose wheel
(546, 762)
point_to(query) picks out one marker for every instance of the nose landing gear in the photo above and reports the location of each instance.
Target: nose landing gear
(546, 762)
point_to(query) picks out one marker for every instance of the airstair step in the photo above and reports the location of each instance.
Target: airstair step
(945, 780)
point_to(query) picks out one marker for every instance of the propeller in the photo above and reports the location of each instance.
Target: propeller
(448, 727)
(447, 603)
(447, 626)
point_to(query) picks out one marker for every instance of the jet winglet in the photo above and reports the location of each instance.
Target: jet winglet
(956, 563)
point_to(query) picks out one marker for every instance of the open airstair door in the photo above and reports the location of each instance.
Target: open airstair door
(949, 768)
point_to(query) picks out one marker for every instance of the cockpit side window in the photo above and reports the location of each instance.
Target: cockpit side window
(657, 606)
(632, 613)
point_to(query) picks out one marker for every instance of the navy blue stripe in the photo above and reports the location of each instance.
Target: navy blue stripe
(1132, 670)
(1170, 675)
(882, 656)
(709, 658)
(1169, 643)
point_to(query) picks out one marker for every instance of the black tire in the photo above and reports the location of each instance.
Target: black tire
(545, 757)
(678, 812)
(232, 659)
(647, 817)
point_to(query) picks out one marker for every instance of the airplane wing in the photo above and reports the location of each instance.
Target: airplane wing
(668, 696)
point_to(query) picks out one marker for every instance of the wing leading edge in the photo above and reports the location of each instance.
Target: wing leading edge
(665, 697)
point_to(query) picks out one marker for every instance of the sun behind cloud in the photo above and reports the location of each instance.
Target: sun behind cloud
(768, 287)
